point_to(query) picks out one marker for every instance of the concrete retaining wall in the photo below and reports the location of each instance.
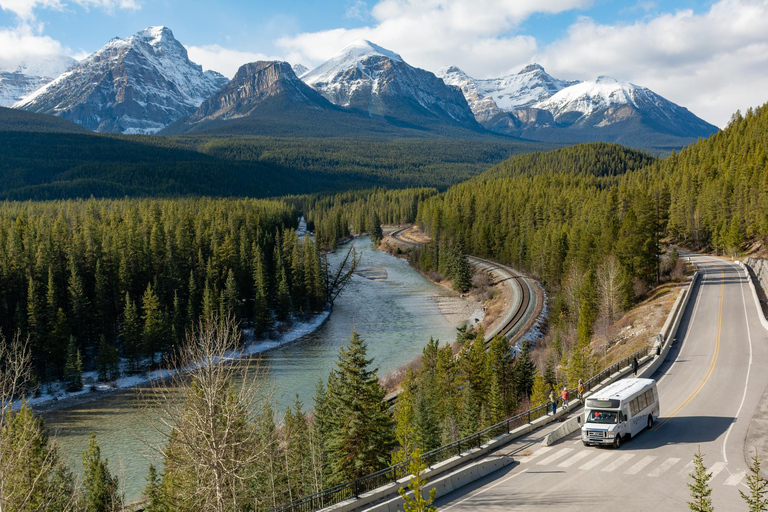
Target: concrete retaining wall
(760, 313)
(760, 269)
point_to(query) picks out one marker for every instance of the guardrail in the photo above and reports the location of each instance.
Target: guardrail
(391, 474)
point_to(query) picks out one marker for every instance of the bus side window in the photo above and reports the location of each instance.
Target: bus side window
(633, 406)
(641, 404)
(649, 396)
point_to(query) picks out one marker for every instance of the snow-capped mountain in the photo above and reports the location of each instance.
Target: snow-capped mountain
(300, 69)
(606, 101)
(490, 97)
(19, 81)
(134, 85)
(535, 105)
(371, 79)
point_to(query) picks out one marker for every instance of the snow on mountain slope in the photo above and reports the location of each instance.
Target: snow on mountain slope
(300, 69)
(19, 81)
(489, 97)
(134, 85)
(16, 86)
(372, 79)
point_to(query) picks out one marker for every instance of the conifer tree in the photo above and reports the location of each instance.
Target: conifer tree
(757, 498)
(540, 394)
(262, 316)
(231, 302)
(154, 328)
(284, 305)
(73, 370)
(360, 435)
(524, 372)
(34, 477)
(59, 341)
(107, 360)
(131, 332)
(405, 428)
(153, 492)
(418, 503)
(101, 487)
(374, 228)
(701, 492)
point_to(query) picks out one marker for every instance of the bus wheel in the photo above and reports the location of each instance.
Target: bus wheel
(617, 441)
(650, 421)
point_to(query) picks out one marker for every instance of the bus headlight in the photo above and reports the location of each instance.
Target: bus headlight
(611, 434)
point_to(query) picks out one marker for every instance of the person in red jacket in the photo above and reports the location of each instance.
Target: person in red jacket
(564, 395)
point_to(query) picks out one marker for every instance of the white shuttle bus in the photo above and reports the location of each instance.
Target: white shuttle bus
(619, 411)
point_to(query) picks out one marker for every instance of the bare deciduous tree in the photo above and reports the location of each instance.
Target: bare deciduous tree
(208, 410)
(609, 289)
(32, 476)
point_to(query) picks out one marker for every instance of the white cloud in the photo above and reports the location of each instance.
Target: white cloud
(23, 44)
(712, 63)
(357, 9)
(224, 60)
(432, 33)
(25, 9)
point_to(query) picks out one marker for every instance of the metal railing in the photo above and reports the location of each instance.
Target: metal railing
(354, 488)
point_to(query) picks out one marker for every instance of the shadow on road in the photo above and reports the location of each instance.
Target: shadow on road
(680, 430)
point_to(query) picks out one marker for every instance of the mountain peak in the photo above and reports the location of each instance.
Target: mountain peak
(530, 68)
(155, 35)
(602, 79)
(364, 48)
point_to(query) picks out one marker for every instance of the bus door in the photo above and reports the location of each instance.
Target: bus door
(626, 427)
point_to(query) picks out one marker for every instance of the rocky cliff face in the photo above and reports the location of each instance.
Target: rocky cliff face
(135, 85)
(253, 86)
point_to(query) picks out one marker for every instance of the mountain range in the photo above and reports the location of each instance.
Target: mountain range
(147, 84)
(135, 85)
(20, 81)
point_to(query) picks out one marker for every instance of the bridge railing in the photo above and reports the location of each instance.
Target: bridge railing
(391, 474)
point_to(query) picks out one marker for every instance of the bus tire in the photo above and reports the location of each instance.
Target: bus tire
(650, 421)
(617, 442)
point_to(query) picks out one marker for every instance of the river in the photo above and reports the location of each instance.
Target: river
(391, 305)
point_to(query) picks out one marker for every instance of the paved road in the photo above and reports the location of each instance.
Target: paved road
(709, 389)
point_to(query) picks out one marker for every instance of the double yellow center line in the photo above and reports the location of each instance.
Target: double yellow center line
(712, 363)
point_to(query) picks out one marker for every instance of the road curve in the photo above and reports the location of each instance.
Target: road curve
(709, 388)
(526, 304)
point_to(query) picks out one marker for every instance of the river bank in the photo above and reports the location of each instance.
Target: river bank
(95, 390)
(395, 315)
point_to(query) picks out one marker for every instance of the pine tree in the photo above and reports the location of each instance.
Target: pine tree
(757, 499)
(153, 335)
(262, 316)
(418, 503)
(360, 436)
(107, 360)
(524, 372)
(231, 302)
(153, 492)
(73, 370)
(701, 492)
(284, 306)
(540, 394)
(405, 428)
(101, 487)
(34, 477)
(426, 412)
(462, 276)
(59, 341)
(374, 228)
(130, 332)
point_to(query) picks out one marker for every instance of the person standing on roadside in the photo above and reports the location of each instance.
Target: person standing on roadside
(553, 400)
(634, 366)
(564, 396)
(580, 390)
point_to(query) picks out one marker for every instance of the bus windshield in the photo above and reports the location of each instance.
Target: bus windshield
(602, 416)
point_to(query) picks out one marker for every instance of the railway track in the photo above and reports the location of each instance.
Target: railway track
(523, 312)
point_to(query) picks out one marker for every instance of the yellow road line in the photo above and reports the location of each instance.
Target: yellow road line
(712, 363)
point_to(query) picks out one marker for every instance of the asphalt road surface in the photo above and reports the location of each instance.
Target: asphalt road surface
(709, 388)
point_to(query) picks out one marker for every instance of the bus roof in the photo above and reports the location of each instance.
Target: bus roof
(623, 389)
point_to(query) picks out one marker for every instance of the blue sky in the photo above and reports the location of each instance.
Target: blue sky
(711, 57)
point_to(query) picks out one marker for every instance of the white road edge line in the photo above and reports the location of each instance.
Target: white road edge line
(485, 489)
(749, 367)
(687, 331)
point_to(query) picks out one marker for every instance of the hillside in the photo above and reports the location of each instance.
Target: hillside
(118, 166)
(12, 120)
(596, 159)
